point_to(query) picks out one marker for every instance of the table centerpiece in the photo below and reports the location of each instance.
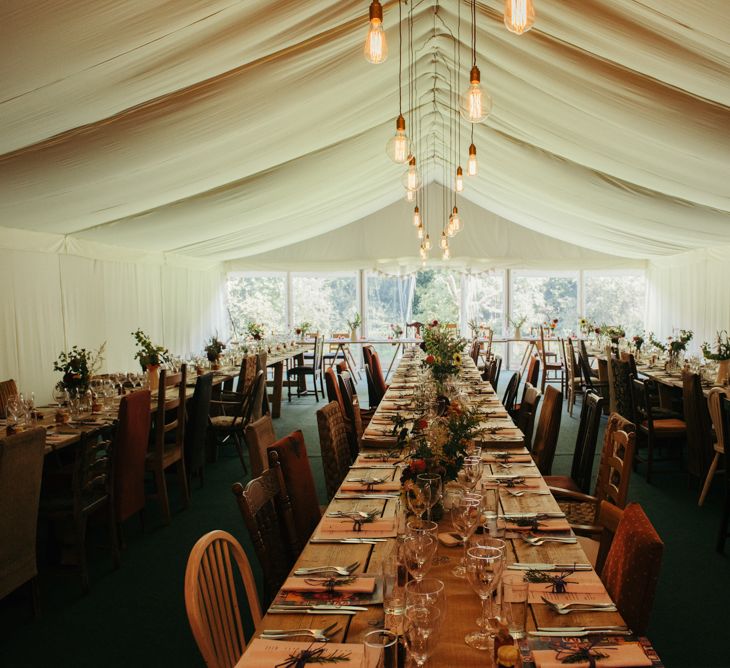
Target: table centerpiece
(78, 365)
(150, 357)
(721, 355)
(213, 350)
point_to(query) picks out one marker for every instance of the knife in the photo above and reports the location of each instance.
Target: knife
(319, 606)
(381, 495)
(549, 567)
(349, 541)
(579, 632)
(516, 516)
(310, 611)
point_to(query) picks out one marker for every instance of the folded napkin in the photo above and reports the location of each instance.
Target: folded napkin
(576, 593)
(341, 527)
(269, 653)
(513, 459)
(548, 524)
(360, 585)
(388, 486)
(363, 460)
(623, 655)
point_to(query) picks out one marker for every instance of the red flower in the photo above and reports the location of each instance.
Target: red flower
(418, 465)
(430, 359)
(421, 424)
(435, 323)
(598, 330)
(455, 409)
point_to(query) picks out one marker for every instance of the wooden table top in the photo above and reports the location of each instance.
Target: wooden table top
(462, 603)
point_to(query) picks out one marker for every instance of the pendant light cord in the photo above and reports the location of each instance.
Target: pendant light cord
(400, 58)
(473, 33)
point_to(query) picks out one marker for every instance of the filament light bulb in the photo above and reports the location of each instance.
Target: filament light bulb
(475, 103)
(456, 220)
(519, 15)
(420, 230)
(398, 147)
(444, 243)
(459, 183)
(376, 46)
(411, 195)
(446, 254)
(471, 163)
(427, 243)
(416, 217)
(423, 253)
(412, 177)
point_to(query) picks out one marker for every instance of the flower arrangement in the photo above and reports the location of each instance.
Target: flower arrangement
(518, 321)
(673, 346)
(303, 328)
(613, 332)
(443, 347)
(551, 323)
(148, 353)
(78, 365)
(255, 330)
(355, 322)
(397, 330)
(638, 341)
(214, 348)
(721, 347)
(438, 446)
(586, 326)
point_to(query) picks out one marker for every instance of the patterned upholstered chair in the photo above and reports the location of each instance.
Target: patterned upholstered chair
(548, 429)
(259, 436)
(631, 570)
(334, 446)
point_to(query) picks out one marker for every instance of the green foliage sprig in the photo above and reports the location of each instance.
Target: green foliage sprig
(613, 331)
(518, 321)
(443, 347)
(255, 330)
(149, 354)
(214, 348)
(78, 365)
(355, 322)
(721, 348)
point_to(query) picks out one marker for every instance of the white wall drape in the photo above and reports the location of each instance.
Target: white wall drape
(52, 301)
(690, 291)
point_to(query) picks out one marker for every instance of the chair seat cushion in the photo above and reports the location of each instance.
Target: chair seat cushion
(668, 424)
(222, 421)
(562, 481)
(578, 512)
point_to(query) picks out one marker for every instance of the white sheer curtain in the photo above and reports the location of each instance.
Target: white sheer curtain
(51, 302)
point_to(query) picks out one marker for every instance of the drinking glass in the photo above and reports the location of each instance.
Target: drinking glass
(483, 568)
(418, 553)
(465, 515)
(490, 504)
(420, 631)
(393, 570)
(484, 540)
(420, 527)
(471, 472)
(381, 649)
(60, 396)
(514, 606)
(429, 592)
(418, 497)
(437, 489)
(14, 410)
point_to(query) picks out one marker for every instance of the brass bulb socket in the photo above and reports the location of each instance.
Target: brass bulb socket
(376, 12)
(474, 76)
(400, 123)
(412, 161)
(472, 149)
(459, 171)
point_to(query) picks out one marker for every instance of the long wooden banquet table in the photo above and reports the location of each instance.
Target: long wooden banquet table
(463, 606)
(60, 436)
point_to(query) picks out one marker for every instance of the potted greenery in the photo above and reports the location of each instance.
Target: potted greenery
(303, 328)
(213, 350)
(78, 365)
(517, 322)
(255, 331)
(150, 357)
(353, 325)
(721, 355)
(397, 330)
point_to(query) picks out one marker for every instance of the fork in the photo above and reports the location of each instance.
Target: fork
(320, 635)
(522, 492)
(340, 570)
(539, 540)
(567, 608)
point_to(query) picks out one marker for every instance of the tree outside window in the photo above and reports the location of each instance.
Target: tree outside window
(327, 302)
(259, 298)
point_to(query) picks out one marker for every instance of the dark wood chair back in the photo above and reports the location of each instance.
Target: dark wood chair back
(352, 412)
(621, 387)
(474, 349)
(246, 373)
(528, 412)
(259, 435)
(413, 329)
(196, 429)
(378, 377)
(170, 412)
(533, 371)
(510, 393)
(699, 426)
(581, 469)
(267, 514)
(334, 446)
(92, 482)
(617, 459)
(548, 430)
(495, 368)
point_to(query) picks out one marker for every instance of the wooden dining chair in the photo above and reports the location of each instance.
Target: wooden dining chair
(196, 427)
(715, 407)
(334, 446)
(413, 329)
(168, 438)
(21, 469)
(668, 433)
(548, 430)
(261, 397)
(8, 389)
(528, 411)
(699, 426)
(211, 598)
(620, 387)
(267, 514)
(378, 377)
(510, 394)
(573, 384)
(531, 378)
(291, 453)
(591, 381)
(90, 492)
(581, 469)
(313, 369)
(551, 370)
(631, 569)
(259, 435)
(355, 422)
(131, 444)
(492, 370)
(474, 349)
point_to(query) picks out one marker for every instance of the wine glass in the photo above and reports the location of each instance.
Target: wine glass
(483, 569)
(485, 540)
(420, 630)
(60, 396)
(471, 471)
(418, 497)
(419, 527)
(14, 410)
(465, 516)
(434, 480)
(418, 553)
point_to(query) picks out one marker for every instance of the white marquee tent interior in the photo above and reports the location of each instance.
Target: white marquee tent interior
(149, 148)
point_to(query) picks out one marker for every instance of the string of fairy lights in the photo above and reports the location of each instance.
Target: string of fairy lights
(472, 106)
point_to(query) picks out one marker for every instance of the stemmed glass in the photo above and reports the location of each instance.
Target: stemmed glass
(471, 472)
(434, 480)
(418, 497)
(60, 396)
(465, 516)
(483, 569)
(418, 552)
(14, 410)
(424, 617)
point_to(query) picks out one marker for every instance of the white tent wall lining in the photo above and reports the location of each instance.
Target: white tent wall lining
(52, 300)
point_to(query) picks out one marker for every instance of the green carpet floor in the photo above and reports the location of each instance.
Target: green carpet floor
(136, 616)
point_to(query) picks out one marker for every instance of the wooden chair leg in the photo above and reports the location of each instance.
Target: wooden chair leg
(708, 479)
(161, 485)
(239, 448)
(183, 481)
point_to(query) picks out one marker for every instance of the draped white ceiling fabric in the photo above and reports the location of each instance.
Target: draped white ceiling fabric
(221, 129)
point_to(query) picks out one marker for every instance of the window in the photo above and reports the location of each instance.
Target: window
(542, 297)
(437, 296)
(326, 301)
(387, 303)
(615, 298)
(257, 297)
(485, 302)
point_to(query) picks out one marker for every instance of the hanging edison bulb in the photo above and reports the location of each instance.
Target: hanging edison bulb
(416, 217)
(420, 230)
(376, 46)
(519, 15)
(444, 243)
(446, 255)
(459, 182)
(471, 163)
(450, 226)
(423, 253)
(398, 147)
(475, 103)
(427, 243)
(411, 195)
(456, 220)
(411, 178)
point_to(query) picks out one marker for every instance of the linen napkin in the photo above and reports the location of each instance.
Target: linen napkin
(388, 486)
(577, 593)
(268, 653)
(548, 524)
(623, 655)
(489, 458)
(360, 585)
(336, 528)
